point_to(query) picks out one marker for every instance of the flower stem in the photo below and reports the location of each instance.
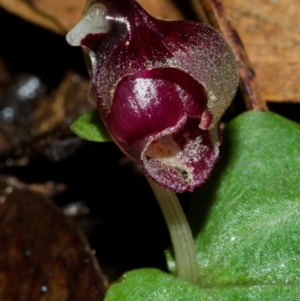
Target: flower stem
(183, 244)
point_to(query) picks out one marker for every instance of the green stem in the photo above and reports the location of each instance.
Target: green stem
(183, 243)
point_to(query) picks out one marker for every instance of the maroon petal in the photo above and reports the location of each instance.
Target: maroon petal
(192, 154)
(149, 120)
(146, 105)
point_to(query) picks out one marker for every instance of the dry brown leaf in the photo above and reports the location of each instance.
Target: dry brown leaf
(64, 106)
(60, 16)
(24, 10)
(43, 254)
(48, 189)
(48, 132)
(270, 31)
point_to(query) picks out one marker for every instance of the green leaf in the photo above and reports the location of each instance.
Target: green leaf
(150, 285)
(89, 126)
(251, 234)
(155, 285)
(245, 220)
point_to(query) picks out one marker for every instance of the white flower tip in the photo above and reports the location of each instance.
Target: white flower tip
(94, 21)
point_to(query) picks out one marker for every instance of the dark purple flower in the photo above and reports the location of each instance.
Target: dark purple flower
(160, 88)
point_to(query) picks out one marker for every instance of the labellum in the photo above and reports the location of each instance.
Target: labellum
(160, 87)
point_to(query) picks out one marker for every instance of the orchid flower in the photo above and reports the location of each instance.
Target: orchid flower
(161, 88)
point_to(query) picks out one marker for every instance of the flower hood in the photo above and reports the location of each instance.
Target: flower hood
(160, 88)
